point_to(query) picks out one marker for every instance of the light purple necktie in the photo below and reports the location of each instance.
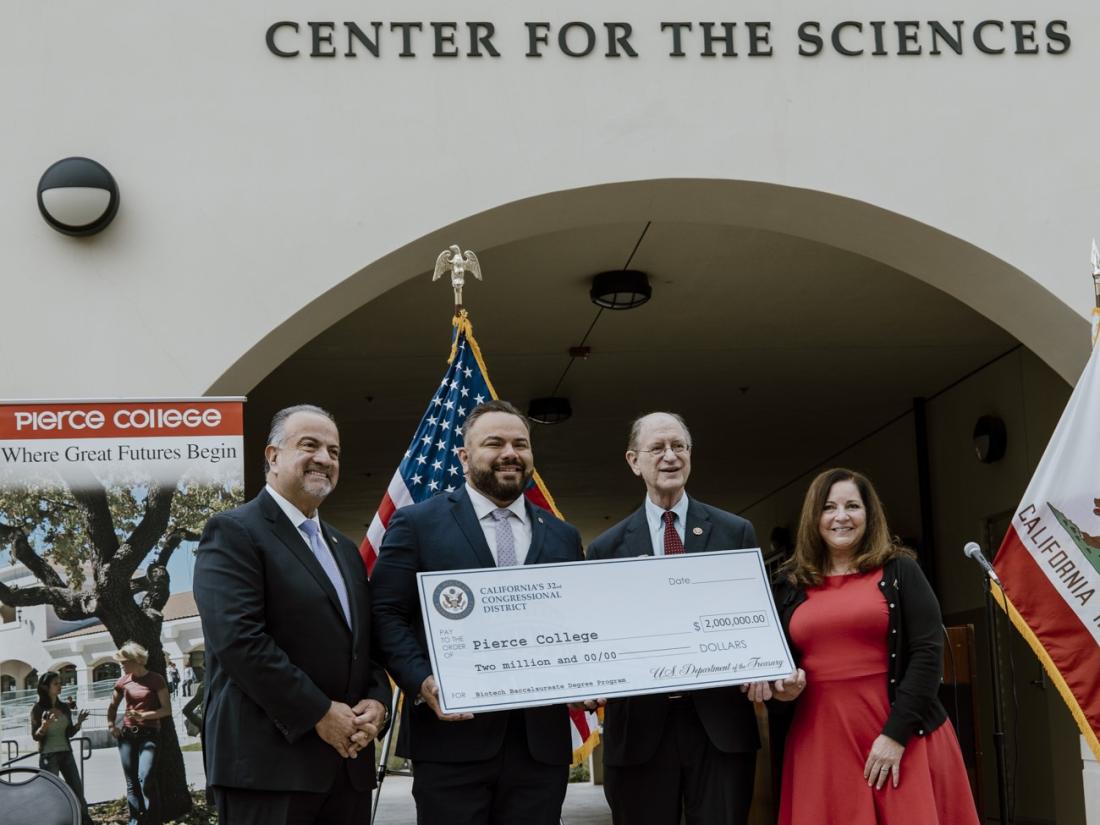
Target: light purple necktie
(328, 564)
(506, 540)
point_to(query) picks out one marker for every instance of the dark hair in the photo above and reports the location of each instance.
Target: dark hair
(44, 688)
(636, 428)
(277, 434)
(44, 702)
(806, 567)
(495, 405)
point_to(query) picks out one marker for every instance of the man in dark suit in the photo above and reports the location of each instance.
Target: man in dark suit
(692, 753)
(293, 698)
(493, 768)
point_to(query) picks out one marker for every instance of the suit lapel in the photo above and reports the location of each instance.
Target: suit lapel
(538, 532)
(636, 539)
(463, 512)
(288, 534)
(697, 529)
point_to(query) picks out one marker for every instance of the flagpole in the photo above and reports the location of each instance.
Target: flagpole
(465, 384)
(383, 767)
(1096, 292)
(998, 699)
(1004, 603)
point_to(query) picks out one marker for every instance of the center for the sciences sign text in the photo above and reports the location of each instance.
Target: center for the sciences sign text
(725, 39)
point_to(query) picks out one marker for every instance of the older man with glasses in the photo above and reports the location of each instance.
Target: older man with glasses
(691, 754)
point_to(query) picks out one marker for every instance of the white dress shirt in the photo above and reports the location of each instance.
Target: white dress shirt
(521, 526)
(654, 514)
(296, 517)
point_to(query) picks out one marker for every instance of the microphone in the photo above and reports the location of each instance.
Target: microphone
(973, 550)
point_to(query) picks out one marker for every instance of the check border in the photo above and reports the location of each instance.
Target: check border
(676, 686)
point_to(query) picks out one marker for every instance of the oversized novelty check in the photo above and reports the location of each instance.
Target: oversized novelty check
(514, 637)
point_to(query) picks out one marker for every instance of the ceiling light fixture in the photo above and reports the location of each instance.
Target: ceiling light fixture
(549, 410)
(620, 289)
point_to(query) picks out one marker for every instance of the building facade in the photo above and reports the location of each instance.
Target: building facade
(866, 226)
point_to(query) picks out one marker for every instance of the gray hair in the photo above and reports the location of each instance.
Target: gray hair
(636, 428)
(277, 435)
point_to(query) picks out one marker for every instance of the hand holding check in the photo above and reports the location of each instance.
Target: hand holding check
(429, 694)
(785, 690)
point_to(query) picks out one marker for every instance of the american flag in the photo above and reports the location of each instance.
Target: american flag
(430, 466)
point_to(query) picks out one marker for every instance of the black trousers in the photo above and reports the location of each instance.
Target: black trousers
(340, 805)
(688, 777)
(512, 788)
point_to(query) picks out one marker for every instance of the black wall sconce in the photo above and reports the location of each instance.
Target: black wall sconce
(78, 196)
(990, 439)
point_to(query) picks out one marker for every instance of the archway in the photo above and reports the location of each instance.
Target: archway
(975, 277)
(15, 674)
(793, 330)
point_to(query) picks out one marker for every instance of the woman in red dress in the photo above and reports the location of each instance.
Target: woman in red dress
(867, 742)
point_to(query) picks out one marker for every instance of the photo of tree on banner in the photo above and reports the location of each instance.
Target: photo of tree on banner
(97, 530)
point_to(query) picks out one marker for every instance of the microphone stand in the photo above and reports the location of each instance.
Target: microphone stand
(998, 716)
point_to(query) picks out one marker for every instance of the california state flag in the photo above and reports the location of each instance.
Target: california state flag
(1050, 558)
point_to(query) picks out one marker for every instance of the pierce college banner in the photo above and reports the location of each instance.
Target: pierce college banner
(81, 474)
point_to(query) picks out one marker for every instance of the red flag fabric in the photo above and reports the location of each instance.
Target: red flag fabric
(1049, 560)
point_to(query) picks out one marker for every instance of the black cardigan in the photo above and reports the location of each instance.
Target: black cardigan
(914, 640)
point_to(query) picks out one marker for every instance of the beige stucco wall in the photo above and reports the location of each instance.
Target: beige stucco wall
(261, 193)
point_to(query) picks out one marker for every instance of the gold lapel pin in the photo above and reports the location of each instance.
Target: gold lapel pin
(697, 531)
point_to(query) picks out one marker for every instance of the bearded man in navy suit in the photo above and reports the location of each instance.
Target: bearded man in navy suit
(496, 768)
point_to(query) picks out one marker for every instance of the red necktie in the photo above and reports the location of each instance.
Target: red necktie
(673, 545)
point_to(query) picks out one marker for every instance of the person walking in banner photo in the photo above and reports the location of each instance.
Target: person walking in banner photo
(494, 768)
(691, 754)
(188, 679)
(173, 676)
(867, 742)
(293, 696)
(147, 702)
(52, 726)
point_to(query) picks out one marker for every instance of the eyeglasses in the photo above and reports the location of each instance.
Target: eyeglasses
(677, 448)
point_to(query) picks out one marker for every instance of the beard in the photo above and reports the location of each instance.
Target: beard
(317, 486)
(485, 480)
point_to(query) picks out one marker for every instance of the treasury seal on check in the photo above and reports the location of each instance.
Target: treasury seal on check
(453, 599)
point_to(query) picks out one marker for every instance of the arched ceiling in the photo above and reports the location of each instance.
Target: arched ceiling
(778, 350)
